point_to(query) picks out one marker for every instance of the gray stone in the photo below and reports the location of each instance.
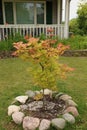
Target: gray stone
(30, 93)
(35, 105)
(45, 124)
(24, 107)
(21, 99)
(58, 123)
(58, 95)
(71, 103)
(47, 92)
(69, 118)
(12, 109)
(18, 117)
(65, 97)
(37, 92)
(72, 110)
(30, 123)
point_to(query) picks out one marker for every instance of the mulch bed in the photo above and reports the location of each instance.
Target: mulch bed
(76, 53)
(69, 53)
(6, 54)
(45, 113)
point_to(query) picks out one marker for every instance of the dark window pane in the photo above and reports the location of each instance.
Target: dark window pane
(49, 12)
(1, 15)
(9, 12)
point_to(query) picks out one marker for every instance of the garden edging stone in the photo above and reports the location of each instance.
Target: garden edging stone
(30, 122)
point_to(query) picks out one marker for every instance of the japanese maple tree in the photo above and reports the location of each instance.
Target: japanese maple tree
(44, 58)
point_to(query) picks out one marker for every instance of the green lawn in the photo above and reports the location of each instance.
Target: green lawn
(14, 81)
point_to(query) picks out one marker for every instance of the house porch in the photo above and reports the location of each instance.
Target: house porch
(46, 14)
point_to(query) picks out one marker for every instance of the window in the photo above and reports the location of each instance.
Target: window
(9, 12)
(40, 13)
(24, 12)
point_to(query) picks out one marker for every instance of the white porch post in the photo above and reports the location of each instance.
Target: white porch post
(58, 16)
(58, 11)
(67, 7)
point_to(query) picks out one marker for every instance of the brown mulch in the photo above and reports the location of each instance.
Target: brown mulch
(76, 53)
(69, 53)
(6, 54)
(44, 113)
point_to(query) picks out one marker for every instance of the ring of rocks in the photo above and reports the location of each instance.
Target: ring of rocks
(32, 112)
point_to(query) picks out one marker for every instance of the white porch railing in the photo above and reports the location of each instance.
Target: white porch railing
(32, 30)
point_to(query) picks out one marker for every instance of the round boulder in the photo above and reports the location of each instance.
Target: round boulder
(30, 123)
(18, 117)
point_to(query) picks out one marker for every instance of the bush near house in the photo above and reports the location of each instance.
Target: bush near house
(76, 42)
(7, 43)
(73, 26)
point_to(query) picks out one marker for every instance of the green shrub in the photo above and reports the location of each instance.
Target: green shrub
(43, 36)
(73, 26)
(7, 44)
(75, 42)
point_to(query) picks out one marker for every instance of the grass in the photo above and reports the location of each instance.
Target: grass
(14, 81)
